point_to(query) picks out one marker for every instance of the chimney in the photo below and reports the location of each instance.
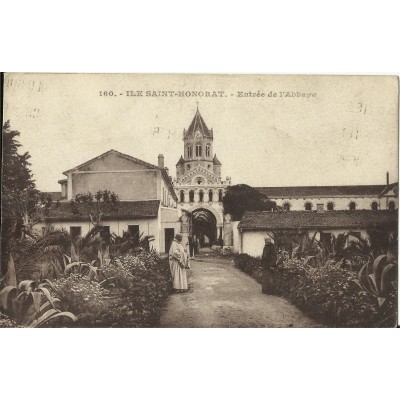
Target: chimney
(387, 178)
(160, 161)
(167, 170)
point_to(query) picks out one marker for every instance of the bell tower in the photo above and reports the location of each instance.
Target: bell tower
(198, 146)
(198, 182)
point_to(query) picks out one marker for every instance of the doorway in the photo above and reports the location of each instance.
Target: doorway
(169, 234)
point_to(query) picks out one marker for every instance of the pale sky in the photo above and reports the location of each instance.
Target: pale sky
(344, 133)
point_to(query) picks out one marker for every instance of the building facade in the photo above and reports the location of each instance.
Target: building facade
(332, 198)
(199, 186)
(255, 226)
(147, 200)
(157, 205)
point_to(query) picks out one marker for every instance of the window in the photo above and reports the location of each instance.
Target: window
(75, 231)
(201, 196)
(308, 206)
(188, 166)
(374, 205)
(210, 195)
(191, 196)
(392, 205)
(198, 150)
(182, 196)
(330, 206)
(286, 206)
(352, 206)
(208, 151)
(220, 195)
(189, 152)
(134, 232)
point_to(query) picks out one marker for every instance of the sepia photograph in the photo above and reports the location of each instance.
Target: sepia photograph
(199, 201)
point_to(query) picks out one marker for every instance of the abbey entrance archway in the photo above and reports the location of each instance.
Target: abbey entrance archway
(205, 224)
(204, 227)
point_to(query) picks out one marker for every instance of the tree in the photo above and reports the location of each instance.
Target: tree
(20, 198)
(96, 206)
(241, 198)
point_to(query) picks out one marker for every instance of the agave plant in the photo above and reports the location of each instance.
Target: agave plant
(30, 304)
(379, 278)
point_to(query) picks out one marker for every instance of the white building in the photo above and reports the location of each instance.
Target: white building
(148, 203)
(255, 226)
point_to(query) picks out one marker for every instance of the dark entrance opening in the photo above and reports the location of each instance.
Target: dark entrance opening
(169, 237)
(204, 227)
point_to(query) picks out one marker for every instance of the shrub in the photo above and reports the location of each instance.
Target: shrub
(136, 286)
(79, 294)
(329, 293)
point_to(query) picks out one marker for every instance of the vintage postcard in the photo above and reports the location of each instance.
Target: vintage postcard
(161, 200)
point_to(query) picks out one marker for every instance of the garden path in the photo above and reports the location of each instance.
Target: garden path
(220, 295)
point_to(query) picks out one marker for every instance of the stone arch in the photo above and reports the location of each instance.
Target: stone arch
(191, 196)
(217, 215)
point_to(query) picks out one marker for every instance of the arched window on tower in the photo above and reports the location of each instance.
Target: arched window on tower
(182, 196)
(220, 195)
(330, 206)
(189, 152)
(308, 206)
(191, 196)
(352, 206)
(201, 196)
(392, 205)
(374, 205)
(198, 150)
(286, 206)
(208, 150)
(210, 195)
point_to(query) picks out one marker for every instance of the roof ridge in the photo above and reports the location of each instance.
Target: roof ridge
(109, 152)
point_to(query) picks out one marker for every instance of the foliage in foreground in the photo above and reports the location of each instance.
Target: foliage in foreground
(131, 296)
(31, 304)
(330, 293)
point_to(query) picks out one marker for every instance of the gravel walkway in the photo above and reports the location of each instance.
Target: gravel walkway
(222, 296)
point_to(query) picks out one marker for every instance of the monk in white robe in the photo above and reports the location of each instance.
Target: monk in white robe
(178, 264)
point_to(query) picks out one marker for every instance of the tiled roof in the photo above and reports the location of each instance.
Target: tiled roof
(124, 210)
(393, 186)
(263, 220)
(198, 124)
(321, 191)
